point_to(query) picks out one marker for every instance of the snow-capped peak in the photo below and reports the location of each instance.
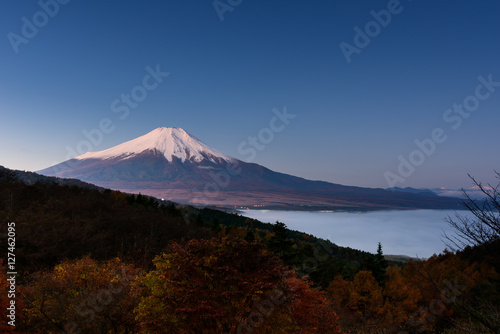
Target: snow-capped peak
(171, 142)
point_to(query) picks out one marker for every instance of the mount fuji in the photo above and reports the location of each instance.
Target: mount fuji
(172, 143)
(170, 163)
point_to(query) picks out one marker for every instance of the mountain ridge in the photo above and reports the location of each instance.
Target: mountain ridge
(170, 163)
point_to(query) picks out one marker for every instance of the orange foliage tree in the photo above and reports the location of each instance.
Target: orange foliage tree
(364, 307)
(207, 286)
(227, 286)
(402, 301)
(366, 300)
(453, 288)
(312, 311)
(82, 296)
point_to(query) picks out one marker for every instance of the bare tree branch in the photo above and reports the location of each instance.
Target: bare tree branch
(483, 229)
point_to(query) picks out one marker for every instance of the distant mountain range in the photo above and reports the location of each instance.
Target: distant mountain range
(473, 192)
(170, 163)
(413, 191)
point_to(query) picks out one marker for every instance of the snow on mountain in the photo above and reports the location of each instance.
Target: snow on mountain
(169, 141)
(170, 163)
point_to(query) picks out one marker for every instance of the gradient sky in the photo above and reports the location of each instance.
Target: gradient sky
(353, 120)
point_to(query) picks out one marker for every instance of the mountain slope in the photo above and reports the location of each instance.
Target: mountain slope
(169, 163)
(30, 178)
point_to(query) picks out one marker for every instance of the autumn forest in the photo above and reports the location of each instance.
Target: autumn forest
(92, 260)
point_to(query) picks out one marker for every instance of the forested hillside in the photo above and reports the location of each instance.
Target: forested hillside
(99, 261)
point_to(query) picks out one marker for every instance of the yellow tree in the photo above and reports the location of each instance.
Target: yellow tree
(81, 296)
(366, 300)
(339, 292)
(401, 300)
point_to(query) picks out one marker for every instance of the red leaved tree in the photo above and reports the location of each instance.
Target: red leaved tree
(227, 286)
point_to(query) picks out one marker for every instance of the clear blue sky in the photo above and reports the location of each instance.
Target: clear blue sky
(353, 120)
